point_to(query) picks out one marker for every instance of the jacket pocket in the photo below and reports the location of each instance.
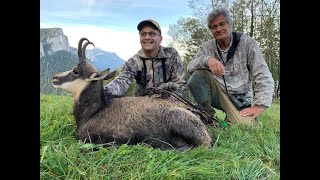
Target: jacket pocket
(232, 70)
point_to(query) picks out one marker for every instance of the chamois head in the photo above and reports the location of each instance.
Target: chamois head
(76, 79)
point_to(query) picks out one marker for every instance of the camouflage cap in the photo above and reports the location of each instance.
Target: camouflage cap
(151, 22)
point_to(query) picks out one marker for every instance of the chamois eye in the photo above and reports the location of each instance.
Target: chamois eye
(74, 71)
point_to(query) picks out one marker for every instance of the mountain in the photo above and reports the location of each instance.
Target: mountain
(103, 60)
(56, 56)
(52, 40)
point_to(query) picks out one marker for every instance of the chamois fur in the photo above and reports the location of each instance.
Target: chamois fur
(104, 119)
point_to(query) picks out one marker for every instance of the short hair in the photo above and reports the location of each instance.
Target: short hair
(220, 11)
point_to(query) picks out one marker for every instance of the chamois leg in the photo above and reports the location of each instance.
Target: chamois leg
(189, 128)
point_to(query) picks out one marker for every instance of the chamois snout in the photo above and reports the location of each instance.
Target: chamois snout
(55, 81)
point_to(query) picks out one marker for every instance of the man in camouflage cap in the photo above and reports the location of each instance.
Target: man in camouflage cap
(152, 66)
(230, 65)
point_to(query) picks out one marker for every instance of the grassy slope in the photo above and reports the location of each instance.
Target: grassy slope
(239, 153)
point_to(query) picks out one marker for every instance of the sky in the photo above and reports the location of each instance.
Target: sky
(111, 24)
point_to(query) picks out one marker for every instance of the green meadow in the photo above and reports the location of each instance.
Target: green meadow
(239, 152)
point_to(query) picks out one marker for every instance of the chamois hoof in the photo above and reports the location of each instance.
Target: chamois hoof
(183, 148)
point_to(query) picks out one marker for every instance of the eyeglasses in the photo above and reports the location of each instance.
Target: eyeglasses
(151, 34)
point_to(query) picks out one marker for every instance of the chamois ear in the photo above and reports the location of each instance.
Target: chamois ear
(98, 76)
(109, 75)
(103, 75)
(94, 77)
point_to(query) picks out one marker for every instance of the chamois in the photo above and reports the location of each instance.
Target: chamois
(104, 119)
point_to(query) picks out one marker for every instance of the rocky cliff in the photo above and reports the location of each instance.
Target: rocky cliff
(53, 40)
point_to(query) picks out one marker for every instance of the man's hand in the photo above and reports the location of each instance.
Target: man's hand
(216, 67)
(169, 85)
(253, 111)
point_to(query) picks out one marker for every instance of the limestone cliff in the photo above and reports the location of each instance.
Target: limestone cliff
(52, 40)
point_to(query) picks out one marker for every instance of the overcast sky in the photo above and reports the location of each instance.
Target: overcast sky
(110, 24)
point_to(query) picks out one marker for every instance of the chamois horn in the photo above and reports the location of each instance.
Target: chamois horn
(84, 49)
(80, 53)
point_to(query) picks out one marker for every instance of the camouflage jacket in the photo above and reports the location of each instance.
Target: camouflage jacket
(153, 76)
(244, 72)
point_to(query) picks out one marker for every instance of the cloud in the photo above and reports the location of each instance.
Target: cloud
(124, 43)
(84, 15)
(90, 3)
(109, 24)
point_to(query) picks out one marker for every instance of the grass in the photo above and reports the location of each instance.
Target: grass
(239, 152)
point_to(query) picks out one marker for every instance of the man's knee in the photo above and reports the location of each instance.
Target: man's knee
(198, 77)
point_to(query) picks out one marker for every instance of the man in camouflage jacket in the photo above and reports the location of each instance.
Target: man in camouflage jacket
(152, 66)
(230, 64)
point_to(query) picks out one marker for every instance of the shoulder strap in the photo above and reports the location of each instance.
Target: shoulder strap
(164, 70)
(236, 39)
(145, 70)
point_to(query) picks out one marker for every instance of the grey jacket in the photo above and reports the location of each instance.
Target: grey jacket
(245, 72)
(134, 69)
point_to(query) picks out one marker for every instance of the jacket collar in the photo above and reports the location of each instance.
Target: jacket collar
(235, 41)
